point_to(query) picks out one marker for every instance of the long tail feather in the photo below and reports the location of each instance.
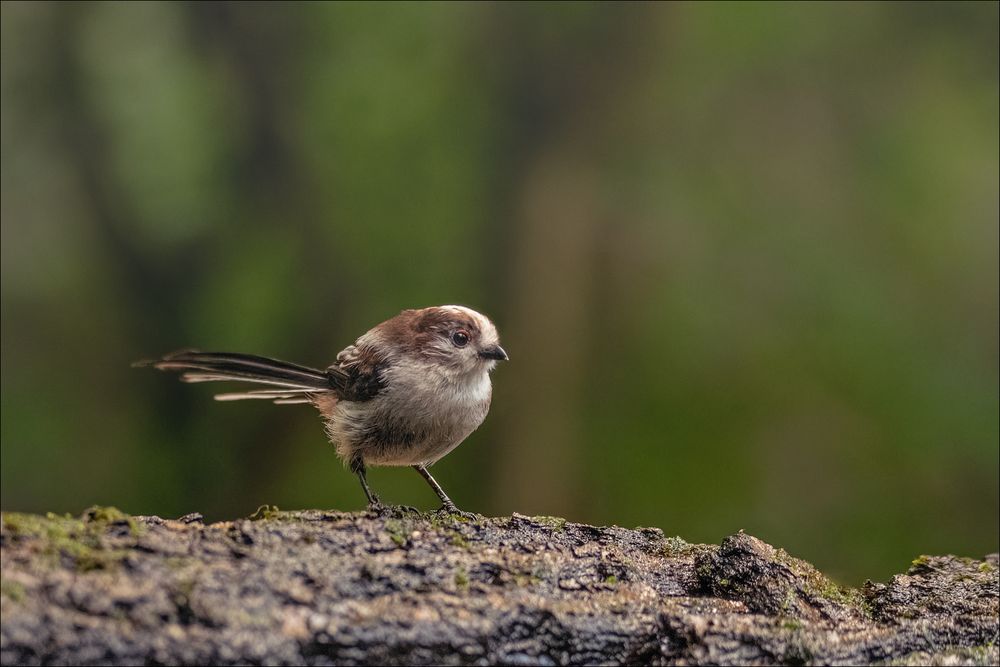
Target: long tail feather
(278, 396)
(298, 384)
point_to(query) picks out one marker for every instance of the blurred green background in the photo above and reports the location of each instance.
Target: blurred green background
(744, 256)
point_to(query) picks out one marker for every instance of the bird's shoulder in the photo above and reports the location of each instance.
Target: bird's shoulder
(358, 372)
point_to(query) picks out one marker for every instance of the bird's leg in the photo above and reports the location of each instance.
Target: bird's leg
(374, 504)
(358, 468)
(448, 504)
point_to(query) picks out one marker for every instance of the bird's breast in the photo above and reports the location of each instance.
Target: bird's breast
(418, 418)
(437, 403)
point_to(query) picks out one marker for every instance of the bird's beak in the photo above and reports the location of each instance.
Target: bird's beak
(494, 352)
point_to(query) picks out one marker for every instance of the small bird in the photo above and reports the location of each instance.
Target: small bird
(405, 393)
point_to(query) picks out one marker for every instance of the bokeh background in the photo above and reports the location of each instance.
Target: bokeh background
(744, 256)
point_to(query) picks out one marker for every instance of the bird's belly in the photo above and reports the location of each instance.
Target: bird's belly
(401, 432)
(387, 442)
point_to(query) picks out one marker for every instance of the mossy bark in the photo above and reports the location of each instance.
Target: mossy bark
(335, 588)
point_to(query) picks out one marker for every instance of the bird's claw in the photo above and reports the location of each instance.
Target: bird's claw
(450, 509)
(381, 509)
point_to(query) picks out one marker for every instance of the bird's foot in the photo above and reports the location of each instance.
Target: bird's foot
(381, 509)
(451, 509)
(376, 506)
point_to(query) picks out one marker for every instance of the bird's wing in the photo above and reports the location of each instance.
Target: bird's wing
(358, 373)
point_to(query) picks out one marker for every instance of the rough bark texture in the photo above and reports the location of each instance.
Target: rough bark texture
(328, 587)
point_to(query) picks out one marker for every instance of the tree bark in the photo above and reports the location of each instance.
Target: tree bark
(323, 587)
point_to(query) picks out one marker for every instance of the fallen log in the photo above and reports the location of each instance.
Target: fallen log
(323, 587)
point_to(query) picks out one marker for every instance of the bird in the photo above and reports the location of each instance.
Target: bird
(405, 393)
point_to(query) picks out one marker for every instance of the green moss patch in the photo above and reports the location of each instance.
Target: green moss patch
(80, 540)
(817, 585)
(12, 590)
(265, 513)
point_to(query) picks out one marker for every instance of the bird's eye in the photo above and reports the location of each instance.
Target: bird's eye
(460, 338)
